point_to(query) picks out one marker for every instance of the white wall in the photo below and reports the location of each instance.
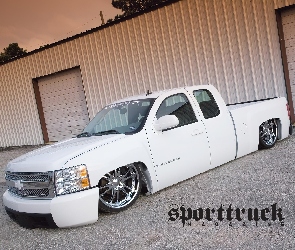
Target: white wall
(232, 44)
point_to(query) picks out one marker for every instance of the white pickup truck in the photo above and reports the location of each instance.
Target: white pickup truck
(137, 145)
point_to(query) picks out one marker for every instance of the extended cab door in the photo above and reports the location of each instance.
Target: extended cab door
(218, 122)
(180, 152)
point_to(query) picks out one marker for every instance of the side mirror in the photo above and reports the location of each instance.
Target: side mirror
(165, 122)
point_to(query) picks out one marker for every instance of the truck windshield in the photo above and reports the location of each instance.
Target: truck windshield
(121, 118)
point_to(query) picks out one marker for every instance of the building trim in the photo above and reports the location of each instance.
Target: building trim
(284, 59)
(40, 110)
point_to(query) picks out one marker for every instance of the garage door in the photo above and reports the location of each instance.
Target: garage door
(288, 21)
(64, 104)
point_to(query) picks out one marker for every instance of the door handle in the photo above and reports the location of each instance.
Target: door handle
(197, 132)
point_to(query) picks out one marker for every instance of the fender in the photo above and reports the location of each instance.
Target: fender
(131, 149)
(247, 126)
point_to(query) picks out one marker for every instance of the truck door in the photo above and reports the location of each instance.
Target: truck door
(181, 152)
(219, 124)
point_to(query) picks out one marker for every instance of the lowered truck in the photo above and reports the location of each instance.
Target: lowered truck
(141, 144)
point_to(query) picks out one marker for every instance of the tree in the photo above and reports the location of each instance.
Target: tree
(13, 50)
(132, 6)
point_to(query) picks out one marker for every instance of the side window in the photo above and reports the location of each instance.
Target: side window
(179, 106)
(207, 103)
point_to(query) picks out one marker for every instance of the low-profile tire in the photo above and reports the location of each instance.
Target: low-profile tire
(119, 188)
(268, 133)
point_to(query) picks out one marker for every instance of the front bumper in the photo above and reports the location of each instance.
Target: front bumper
(69, 210)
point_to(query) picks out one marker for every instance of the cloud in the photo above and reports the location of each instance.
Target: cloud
(33, 23)
(13, 35)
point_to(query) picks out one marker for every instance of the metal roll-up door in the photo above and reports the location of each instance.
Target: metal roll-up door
(63, 103)
(288, 21)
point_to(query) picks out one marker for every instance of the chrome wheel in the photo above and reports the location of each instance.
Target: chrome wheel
(268, 133)
(119, 188)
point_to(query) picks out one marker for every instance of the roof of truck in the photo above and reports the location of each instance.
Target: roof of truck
(157, 93)
(144, 96)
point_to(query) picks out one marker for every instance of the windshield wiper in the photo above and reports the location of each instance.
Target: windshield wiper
(112, 131)
(84, 134)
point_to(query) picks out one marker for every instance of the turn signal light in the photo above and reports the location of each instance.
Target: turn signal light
(85, 183)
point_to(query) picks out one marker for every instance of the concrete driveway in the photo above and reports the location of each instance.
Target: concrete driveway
(264, 180)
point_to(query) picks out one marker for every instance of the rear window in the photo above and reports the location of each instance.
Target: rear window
(207, 103)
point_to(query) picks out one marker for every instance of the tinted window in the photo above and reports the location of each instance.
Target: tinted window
(207, 103)
(179, 106)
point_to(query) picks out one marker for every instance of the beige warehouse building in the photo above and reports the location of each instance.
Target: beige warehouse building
(245, 48)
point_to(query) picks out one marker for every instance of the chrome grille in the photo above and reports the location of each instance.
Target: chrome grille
(44, 192)
(36, 177)
(31, 185)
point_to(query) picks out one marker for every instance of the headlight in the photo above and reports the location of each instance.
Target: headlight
(71, 180)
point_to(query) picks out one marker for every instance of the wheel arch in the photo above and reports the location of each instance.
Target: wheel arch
(146, 178)
(280, 128)
(271, 138)
(279, 124)
(112, 185)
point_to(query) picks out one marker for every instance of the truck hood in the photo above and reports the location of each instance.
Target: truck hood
(54, 157)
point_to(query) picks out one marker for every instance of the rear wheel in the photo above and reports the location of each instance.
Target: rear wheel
(268, 132)
(119, 188)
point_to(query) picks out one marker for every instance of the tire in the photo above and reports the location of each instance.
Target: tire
(119, 189)
(268, 132)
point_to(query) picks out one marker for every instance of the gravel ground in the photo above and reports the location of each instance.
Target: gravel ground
(258, 180)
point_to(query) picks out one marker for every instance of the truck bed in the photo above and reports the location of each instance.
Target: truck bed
(245, 104)
(248, 116)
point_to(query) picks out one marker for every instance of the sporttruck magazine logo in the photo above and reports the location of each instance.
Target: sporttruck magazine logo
(229, 214)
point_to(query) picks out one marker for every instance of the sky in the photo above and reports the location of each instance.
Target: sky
(33, 23)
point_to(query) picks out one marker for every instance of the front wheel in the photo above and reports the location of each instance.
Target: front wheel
(119, 189)
(268, 132)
